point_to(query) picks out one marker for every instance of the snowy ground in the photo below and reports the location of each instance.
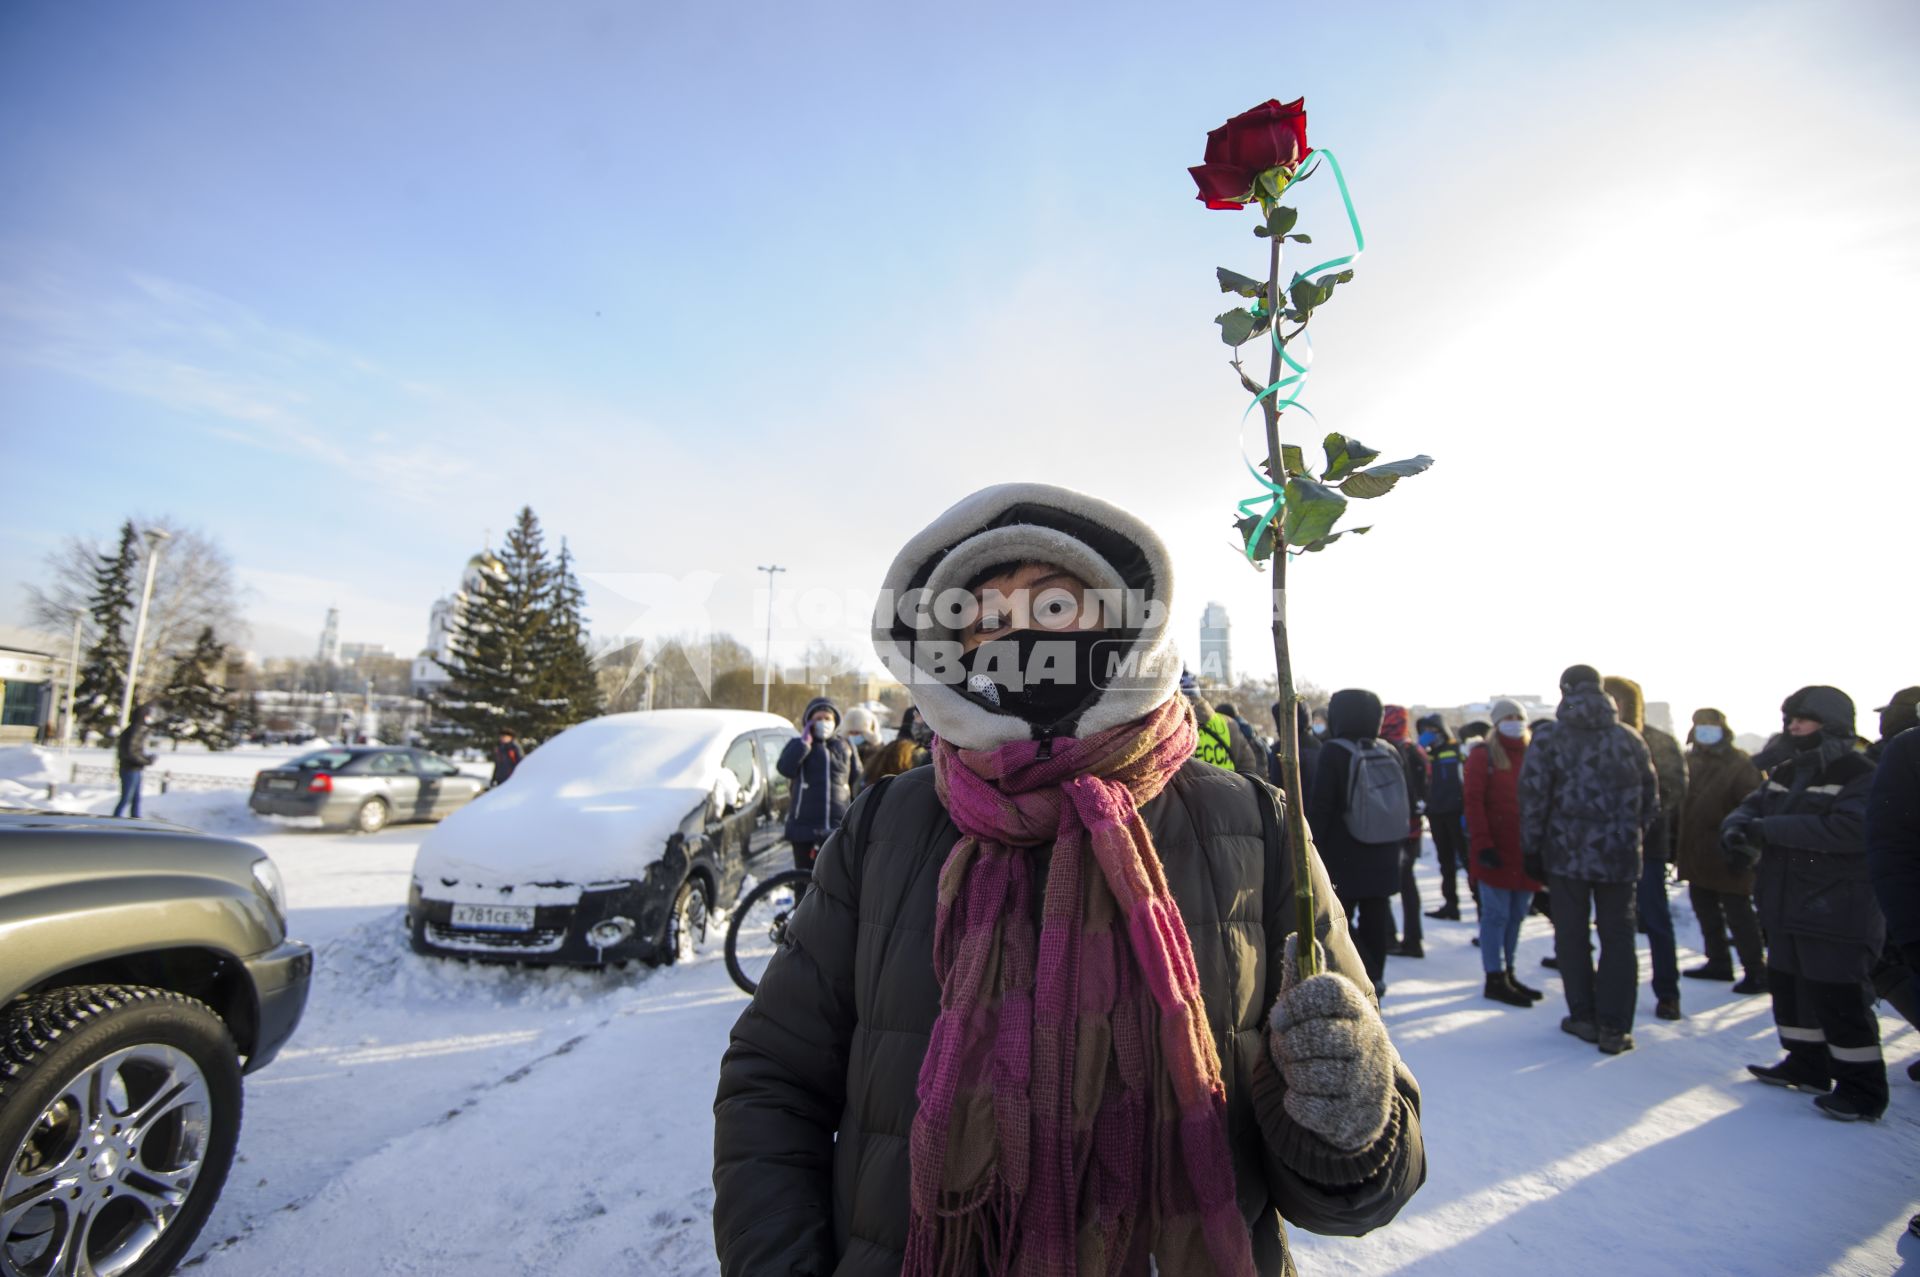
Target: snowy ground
(436, 1118)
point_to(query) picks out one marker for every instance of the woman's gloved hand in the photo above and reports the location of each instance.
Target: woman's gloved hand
(1333, 1054)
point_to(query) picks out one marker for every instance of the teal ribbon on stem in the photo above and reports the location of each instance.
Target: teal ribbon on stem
(1293, 381)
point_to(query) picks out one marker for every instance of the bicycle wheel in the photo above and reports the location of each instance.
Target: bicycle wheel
(759, 925)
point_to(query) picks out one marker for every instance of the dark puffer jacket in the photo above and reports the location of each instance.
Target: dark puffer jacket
(825, 774)
(130, 750)
(1893, 839)
(1812, 880)
(1588, 794)
(817, 1089)
(1359, 869)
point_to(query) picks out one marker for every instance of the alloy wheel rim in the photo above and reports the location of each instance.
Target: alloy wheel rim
(107, 1167)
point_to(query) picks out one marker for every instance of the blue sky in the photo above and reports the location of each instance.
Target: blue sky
(346, 284)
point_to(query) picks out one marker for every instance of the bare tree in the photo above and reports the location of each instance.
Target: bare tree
(193, 589)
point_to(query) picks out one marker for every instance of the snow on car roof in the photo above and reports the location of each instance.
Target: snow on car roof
(597, 802)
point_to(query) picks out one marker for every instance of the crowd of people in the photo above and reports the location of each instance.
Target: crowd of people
(1587, 817)
(1044, 1008)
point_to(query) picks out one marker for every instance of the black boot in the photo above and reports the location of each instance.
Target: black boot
(1754, 982)
(1711, 971)
(1550, 962)
(1791, 1074)
(1667, 1008)
(1500, 989)
(1615, 1041)
(1842, 1108)
(1446, 913)
(1533, 995)
(1407, 949)
(1585, 1030)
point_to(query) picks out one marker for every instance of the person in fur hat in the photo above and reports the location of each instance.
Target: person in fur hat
(1040, 1011)
(1719, 776)
(1655, 910)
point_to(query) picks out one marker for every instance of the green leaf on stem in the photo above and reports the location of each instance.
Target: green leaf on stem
(1326, 541)
(1312, 510)
(1282, 220)
(1238, 325)
(1344, 456)
(1292, 460)
(1245, 285)
(1377, 481)
(1301, 239)
(1245, 527)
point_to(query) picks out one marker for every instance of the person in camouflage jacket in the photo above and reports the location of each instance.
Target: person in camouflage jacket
(1588, 796)
(1655, 910)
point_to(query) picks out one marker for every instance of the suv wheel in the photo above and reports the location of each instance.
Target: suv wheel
(372, 816)
(687, 927)
(119, 1112)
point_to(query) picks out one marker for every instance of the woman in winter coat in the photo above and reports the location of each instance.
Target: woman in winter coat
(825, 770)
(863, 733)
(1036, 1012)
(1498, 856)
(901, 754)
(1365, 874)
(1719, 776)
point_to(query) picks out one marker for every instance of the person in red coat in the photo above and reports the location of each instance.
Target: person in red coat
(1493, 834)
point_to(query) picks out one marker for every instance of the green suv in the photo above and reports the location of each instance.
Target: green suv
(144, 968)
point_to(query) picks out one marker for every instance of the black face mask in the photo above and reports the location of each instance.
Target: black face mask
(1808, 743)
(1037, 675)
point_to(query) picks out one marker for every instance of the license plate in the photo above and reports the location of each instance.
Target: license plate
(492, 917)
(279, 784)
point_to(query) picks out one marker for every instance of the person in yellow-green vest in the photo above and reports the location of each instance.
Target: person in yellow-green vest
(1222, 741)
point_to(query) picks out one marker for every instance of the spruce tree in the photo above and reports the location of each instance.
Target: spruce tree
(195, 707)
(571, 691)
(103, 676)
(498, 645)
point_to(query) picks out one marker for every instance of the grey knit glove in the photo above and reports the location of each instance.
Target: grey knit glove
(1332, 1052)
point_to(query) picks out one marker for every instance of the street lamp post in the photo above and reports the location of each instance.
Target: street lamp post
(154, 537)
(766, 670)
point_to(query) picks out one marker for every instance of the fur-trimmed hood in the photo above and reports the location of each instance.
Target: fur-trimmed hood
(1628, 699)
(1101, 544)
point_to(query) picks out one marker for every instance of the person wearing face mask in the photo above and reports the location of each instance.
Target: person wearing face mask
(1803, 831)
(1057, 957)
(1318, 724)
(898, 755)
(1588, 798)
(825, 770)
(1499, 857)
(1719, 776)
(863, 733)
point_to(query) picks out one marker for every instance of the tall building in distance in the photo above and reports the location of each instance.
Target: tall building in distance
(330, 638)
(1216, 646)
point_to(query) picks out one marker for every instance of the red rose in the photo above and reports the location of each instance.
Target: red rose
(1272, 135)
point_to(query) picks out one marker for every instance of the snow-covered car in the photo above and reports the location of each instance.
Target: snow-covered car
(612, 841)
(363, 787)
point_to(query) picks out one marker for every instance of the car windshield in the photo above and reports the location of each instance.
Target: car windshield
(323, 760)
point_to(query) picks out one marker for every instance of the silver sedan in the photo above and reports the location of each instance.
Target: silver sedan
(364, 788)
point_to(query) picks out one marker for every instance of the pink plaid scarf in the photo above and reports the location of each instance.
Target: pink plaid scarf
(1072, 1116)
